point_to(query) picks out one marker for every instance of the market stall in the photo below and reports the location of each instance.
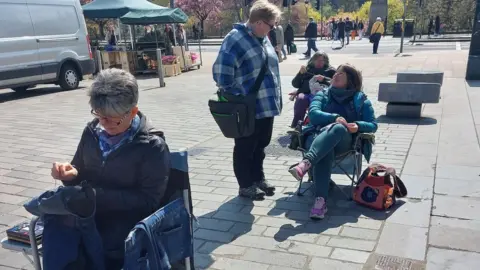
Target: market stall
(128, 56)
(186, 60)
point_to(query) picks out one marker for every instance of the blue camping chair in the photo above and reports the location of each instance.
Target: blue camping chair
(178, 192)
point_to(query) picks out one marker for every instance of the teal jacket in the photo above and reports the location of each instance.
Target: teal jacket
(363, 107)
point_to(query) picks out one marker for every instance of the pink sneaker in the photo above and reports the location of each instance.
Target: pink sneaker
(300, 169)
(319, 209)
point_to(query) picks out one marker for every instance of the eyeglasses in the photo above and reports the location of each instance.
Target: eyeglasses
(269, 25)
(110, 119)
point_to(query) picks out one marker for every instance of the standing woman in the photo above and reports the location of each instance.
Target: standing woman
(437, 25)
(360, 29)
(376, 34)
(318, 66)
(289, 35)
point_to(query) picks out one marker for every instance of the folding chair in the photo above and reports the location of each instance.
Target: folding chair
(178, 186)
(355, 153)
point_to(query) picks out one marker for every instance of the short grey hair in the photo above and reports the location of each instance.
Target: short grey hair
(113, 92)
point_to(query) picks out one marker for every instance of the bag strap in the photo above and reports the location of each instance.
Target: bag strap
(374, 32)
(261, 76)
(399, 188)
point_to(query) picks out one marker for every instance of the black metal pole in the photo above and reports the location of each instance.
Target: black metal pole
(473, 64)
(172, 3)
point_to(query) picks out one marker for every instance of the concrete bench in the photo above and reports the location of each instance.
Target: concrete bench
(409, 92)
(420, 76)
(405, 99)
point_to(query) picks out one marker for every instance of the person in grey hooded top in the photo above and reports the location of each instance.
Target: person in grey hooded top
(127, 166)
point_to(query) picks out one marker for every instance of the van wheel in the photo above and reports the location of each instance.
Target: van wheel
(69, 77)
(22, 89)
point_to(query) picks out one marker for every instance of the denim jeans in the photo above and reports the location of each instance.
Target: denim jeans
(159, 240)
(323, 149)
(311, 45)
(65, 236)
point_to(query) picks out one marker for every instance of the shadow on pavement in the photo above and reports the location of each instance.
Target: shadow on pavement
(293, 210)
(422, 121)
(34, 92)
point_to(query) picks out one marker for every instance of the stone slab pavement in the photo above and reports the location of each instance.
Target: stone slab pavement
(438, 156)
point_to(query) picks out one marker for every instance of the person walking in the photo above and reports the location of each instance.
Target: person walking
(334, 29)
(376, 34)
(437, 25)
(311, 35)
(289, 36)
(430, 26)
(348, 29)
(280, 40)
(360, 27)
(341, 31)
(246, 55)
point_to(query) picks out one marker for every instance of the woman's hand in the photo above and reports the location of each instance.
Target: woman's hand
(303, 70)
(319, 78)
(342, 121)
(64, 171)
(352, 127)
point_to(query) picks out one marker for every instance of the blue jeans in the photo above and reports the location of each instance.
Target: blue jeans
(63, 238)
(311, 45)
(332, 142)
(160, 240)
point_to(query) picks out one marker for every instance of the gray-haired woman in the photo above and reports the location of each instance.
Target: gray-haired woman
(319, 67)
(126, 165)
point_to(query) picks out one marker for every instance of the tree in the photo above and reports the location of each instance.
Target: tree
(201, 9)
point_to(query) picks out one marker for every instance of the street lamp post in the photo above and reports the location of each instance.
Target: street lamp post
(473, 64)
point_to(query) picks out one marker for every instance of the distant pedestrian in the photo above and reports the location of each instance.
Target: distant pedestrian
(289, 36)
(360, 27)
(334, 29)
(348, 29)
(430, 26)
(341, 31)
(311, 35)
(437, 25)
(245, 56)
(376, 34)
(280, 40)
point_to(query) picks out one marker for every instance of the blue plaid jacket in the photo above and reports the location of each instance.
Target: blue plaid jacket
(238, 64)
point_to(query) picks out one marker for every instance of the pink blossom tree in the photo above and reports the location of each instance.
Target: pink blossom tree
(201, 9)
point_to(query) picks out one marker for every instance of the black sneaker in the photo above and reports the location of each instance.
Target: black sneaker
(252, 192)
(266, 187)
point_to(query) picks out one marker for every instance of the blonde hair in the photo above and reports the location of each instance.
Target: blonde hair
(262, 10)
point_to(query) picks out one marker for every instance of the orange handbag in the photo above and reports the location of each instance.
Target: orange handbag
(378, 187)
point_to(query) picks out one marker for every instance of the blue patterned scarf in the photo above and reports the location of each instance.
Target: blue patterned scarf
(109, 143)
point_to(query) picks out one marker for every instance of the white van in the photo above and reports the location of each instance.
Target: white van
(43, 42)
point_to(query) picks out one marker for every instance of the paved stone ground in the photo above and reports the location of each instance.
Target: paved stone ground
(438, 156)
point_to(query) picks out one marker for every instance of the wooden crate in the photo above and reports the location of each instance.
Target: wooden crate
(171, 70)
(128, 60)
(110, 59)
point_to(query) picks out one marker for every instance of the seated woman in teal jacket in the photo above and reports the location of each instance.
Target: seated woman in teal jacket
(336, 115)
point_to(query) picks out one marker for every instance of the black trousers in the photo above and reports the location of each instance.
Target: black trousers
(289, 47)
(376, 41)
(249, 153)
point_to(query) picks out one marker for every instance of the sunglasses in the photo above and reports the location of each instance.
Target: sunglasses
(110, 119)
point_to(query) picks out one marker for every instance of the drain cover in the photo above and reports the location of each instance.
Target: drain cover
(384, 262)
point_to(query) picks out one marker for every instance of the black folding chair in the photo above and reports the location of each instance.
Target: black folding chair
(355, 153)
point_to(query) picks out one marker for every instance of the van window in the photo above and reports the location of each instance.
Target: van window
(15, 21)
(53, 19)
